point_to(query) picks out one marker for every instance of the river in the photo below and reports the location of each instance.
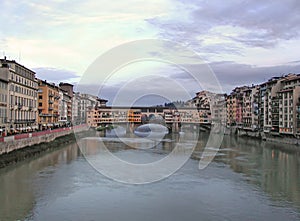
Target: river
(248, 180)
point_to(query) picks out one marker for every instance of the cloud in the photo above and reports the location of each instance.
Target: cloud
(231, 74)
(293, 62)
(146, 90)
(55, 75)
(228, 73)
(236, 37)
(242, 23)
(75, 31)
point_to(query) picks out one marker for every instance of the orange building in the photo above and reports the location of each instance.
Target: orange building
(48, 100)
(134, 116)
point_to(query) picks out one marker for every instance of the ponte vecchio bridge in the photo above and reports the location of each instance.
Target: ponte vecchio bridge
(174, 118)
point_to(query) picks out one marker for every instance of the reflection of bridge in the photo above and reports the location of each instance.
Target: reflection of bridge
(173, 118)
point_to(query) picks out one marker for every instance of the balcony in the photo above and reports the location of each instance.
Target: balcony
(51, 95)
(45, 115)
(50, 108)
(50, 102)
(20, 106)
(24, 121)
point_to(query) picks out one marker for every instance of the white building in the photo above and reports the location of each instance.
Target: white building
(64, 107)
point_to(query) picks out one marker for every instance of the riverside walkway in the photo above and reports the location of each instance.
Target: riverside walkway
(40, 133)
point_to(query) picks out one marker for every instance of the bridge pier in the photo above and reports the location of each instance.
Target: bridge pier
(175, 127)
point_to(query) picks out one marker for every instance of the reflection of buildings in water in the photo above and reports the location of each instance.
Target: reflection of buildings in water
(202, 141)
(90, 146)
(168, 146)
(275, 171)
(281, 174)
(18, 198)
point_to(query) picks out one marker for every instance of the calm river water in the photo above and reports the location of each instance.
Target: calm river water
(248, 180)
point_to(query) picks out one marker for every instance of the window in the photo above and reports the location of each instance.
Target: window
(40, 97)
(40, 104)
(3, 85)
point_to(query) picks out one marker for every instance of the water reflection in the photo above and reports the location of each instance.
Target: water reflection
(17, 191)
(28, 187)
(265, 165)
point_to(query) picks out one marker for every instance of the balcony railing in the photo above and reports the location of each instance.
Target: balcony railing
(24, 121)
(45, 115)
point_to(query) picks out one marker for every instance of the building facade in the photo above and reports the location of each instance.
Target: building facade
(140, 115)
(250, 108)
(76, 108)
(271, 105)
(4, 75)
(48, 104)
(202, 102)
(68, 89)
(218, 109)
(87, 102)
(64, 110)
(288, 105)
(234, 107)
(21, 97)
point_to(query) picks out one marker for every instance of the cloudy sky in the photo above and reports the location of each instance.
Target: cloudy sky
(242, 41)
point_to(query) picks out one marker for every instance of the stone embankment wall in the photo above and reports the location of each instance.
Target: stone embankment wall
(248, 133)
(20, 141)
(263, 136)
(283, 140)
